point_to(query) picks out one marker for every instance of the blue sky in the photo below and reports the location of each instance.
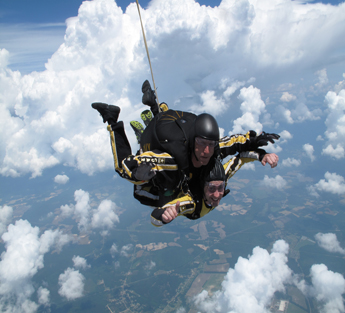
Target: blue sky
(40, 11)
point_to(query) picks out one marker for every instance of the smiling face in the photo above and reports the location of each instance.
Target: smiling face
(203, 151)
(214, 192)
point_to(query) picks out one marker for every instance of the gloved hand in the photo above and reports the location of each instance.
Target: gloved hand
(264, 138)
(144, 171)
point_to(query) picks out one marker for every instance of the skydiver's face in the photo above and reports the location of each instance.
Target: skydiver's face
(203, 151)
(214, 192)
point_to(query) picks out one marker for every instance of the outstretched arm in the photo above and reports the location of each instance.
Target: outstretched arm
(242, 143)
(235, 163)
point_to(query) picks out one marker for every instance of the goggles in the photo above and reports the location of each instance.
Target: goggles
(205, 142)
(213, 188)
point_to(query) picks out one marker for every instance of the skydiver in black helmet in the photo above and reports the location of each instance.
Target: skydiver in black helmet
(176, 145)
(193, 140)
(207, 191)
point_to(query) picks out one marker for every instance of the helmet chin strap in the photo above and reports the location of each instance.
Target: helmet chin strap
(206, 202)
(195, 155)
(193, 149)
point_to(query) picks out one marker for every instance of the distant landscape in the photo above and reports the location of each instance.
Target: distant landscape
(166, 267)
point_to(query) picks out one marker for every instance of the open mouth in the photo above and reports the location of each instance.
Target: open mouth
(215, 199)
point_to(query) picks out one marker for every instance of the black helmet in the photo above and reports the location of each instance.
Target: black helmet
(213, 171)
(206, 127)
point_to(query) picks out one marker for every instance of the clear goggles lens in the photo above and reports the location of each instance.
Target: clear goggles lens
(205, 142)
(213, 188)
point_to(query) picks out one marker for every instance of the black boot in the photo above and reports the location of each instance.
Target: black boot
(110, 113)
(149, 97)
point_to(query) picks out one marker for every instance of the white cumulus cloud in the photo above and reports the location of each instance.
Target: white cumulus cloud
(291, 162)
(335, 123)
(332, 183)
(210, 103)
(22, 258)
(113, 250)
(273, 148)
(82, 209)
(309, 150)
(67, 210)
(252, 107)
(125, 250)
(329, 242)
(322, 77)
(43, 295)
(338, 152)
(71, 284)
(230, 90)
(105, 216)
(61, 179)
(251, 284)
(87, 218)
(80, 262)
(285, 136)
(248, 167)
(277, 182)
(287, 97)
(54, 238)
(327, 288)
(299, 113)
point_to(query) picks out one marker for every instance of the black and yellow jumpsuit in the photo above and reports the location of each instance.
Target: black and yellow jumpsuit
(166, 184)
(156, 191)
(194, 207)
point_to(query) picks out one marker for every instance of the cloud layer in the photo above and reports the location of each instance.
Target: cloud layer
(327, 288)
(251, 284)
(104, 217)
(25, 248)
(23, 257)
(209, 55)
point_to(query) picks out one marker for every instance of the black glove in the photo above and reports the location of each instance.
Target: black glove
(264, 138)
(144, 171)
